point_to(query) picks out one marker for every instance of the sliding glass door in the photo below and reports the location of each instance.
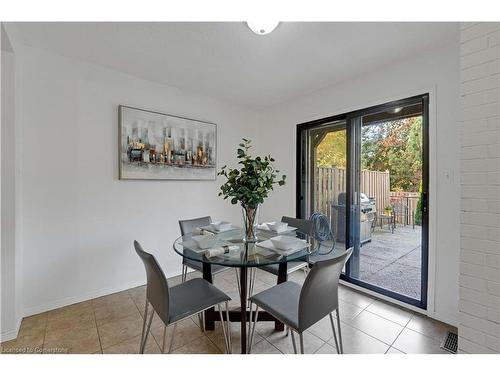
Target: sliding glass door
(323, 185)
(368, 172)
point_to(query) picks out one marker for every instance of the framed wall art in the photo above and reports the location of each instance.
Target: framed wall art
(157, 146)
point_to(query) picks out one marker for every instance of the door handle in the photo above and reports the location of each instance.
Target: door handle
(424, 202)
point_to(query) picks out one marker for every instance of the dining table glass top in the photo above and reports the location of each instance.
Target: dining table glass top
(245, 254)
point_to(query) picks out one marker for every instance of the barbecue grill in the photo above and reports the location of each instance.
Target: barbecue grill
(367, 216)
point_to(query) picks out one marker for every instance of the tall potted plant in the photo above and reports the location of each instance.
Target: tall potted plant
(250, 185)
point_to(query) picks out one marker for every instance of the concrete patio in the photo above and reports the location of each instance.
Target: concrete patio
(393, 260)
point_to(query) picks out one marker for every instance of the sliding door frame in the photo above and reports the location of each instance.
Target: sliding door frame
(353, 124)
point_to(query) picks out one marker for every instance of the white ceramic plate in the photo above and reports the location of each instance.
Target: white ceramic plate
(285, 242)
(277, 226)
(205, 241)
(221, 226)
(265, 226)
(300, 245)
(211, 228)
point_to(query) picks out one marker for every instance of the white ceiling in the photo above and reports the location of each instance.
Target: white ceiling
(227, 61)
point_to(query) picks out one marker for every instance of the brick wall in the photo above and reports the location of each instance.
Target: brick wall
(479, 306)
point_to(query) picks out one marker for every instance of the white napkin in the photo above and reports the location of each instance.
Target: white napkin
(220, 250)
(199, 231)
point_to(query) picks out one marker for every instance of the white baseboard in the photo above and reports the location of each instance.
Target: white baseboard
(12, 334)
(28, 311)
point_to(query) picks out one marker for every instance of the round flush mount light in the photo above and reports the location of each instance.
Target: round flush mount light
(262, 27)
(396, 110)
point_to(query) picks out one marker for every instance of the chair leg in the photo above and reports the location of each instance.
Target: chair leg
(184, 273)
(334, 334)
(146, 333)
(250, 324)
(237, 280)
(251, 282)
(293, 342)
(145, 317)
(172, 339)
(226, 343)
(164, 338)
(340, 332)
(252, 334)
(228, 322)
(301, 338)
(200, 322)
(201, 318)
(254, 274)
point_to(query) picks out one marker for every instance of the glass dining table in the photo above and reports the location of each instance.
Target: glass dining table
(245, 256)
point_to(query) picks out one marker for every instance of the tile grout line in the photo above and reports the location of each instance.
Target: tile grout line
(97, 327)
(362, 309)
(191, 340)
(399, 334)
(115, 320)
(346, 323)
(214, 344)
(389, 320)
(137, 307)
(366, 333)
(44, 331)
(266, 339)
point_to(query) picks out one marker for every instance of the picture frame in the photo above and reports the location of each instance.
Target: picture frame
(158, 146)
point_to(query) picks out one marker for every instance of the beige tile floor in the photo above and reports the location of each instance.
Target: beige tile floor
(113, 323)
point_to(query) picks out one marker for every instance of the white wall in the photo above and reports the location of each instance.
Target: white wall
(435, 72)
(479, 319)
(10, 261)
(79, 220)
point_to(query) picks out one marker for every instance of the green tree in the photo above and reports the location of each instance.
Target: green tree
(418, 210)
(331, 152)
(395, 146)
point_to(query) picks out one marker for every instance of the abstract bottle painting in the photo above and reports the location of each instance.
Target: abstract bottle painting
(155, 146)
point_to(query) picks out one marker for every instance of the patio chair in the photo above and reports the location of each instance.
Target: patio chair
(389, 219)
(402, 211)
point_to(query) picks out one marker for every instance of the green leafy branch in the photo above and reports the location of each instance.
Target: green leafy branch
(252, 183)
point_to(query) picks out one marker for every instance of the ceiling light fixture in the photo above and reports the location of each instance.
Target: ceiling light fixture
(262, 27)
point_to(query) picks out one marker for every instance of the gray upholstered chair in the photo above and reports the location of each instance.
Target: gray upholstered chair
(179, 302)
(300, 307)
(303, 226)
(187, 227)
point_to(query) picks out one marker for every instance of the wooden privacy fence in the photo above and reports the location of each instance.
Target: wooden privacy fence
(330, 182)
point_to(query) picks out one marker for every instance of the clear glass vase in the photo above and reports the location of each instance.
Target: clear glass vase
(250, 220)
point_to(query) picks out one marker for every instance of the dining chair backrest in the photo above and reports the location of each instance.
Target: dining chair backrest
(303, 225)
(157, 285)
(319, 294)
(187, 226)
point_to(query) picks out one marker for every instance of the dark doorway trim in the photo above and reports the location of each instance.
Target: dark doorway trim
(350, 117)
